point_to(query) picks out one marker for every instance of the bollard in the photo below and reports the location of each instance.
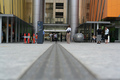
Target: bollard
(28, 38)
(24, 37)
(33, 38)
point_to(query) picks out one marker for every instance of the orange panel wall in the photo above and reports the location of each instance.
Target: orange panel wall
(111, 9)
(95, 9)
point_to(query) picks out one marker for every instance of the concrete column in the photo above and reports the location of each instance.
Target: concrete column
(7, 30)
(11, 29)
(91, 31)
(25, 28)
(74, 13)
(0, 30)
(19, 31)
(38, 13)
(22, 28)
(97, 25)
(94, 29)
(16, 30)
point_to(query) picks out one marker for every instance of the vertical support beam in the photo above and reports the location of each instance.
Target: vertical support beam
(19, 31)
(94, 28)
(22, 28)
(84, 30)
(74, 13)
(11, 29)
(91, 31)
(38, 13)
(7, 31)
(26, 27)
(97, 25)
(16, 30)
(1, 34)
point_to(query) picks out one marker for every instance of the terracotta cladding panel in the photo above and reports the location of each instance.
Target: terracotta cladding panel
(90, 11)
(95, 9)
(98, 9)
(101, 9)
(105, 9)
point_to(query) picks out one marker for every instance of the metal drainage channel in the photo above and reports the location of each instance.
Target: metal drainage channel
(57, 64)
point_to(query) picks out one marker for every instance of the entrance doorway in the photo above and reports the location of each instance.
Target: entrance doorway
(61, 36)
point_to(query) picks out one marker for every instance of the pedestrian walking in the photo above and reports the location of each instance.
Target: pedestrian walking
(99, 33)
(68, 30)
(55, 37)
(106, 35)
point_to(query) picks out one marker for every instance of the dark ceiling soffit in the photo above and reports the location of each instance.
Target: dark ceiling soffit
(95, 22)
(55, 25)
(99, 22)
(11, 15)
(6, 15)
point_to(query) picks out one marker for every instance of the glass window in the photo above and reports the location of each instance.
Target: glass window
(59, 5)
(59, 14)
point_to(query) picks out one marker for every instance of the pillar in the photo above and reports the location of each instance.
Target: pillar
(97, 25)
(11, 29)
(22, 28)
(19, 30)
(74, 16)
(38, 13)
(94, 29)
(0, 30)
(16, 30)
(7, 30)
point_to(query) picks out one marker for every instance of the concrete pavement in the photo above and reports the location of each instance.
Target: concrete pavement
(15, 59)
(57, 64)
(103, 60)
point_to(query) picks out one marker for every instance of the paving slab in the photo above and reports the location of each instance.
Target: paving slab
(57, 64)
(103, 60)
(16, 58)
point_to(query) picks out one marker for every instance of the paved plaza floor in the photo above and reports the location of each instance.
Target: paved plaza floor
(102, 60)
(15, 58)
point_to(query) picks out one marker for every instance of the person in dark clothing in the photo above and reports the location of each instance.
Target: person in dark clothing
(99, 32)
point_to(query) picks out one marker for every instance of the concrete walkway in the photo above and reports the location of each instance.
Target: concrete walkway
(57, 64)
(103, 60)
(15, 59)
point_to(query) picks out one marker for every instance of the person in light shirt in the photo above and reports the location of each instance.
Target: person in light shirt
(106, 34)
(68, 30)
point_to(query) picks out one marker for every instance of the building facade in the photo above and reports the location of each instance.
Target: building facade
(55, 13)
(84, 7)
(107, 10)
(58, 14)
(15, 19)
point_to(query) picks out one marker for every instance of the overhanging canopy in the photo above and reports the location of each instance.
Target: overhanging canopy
(96, 22)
